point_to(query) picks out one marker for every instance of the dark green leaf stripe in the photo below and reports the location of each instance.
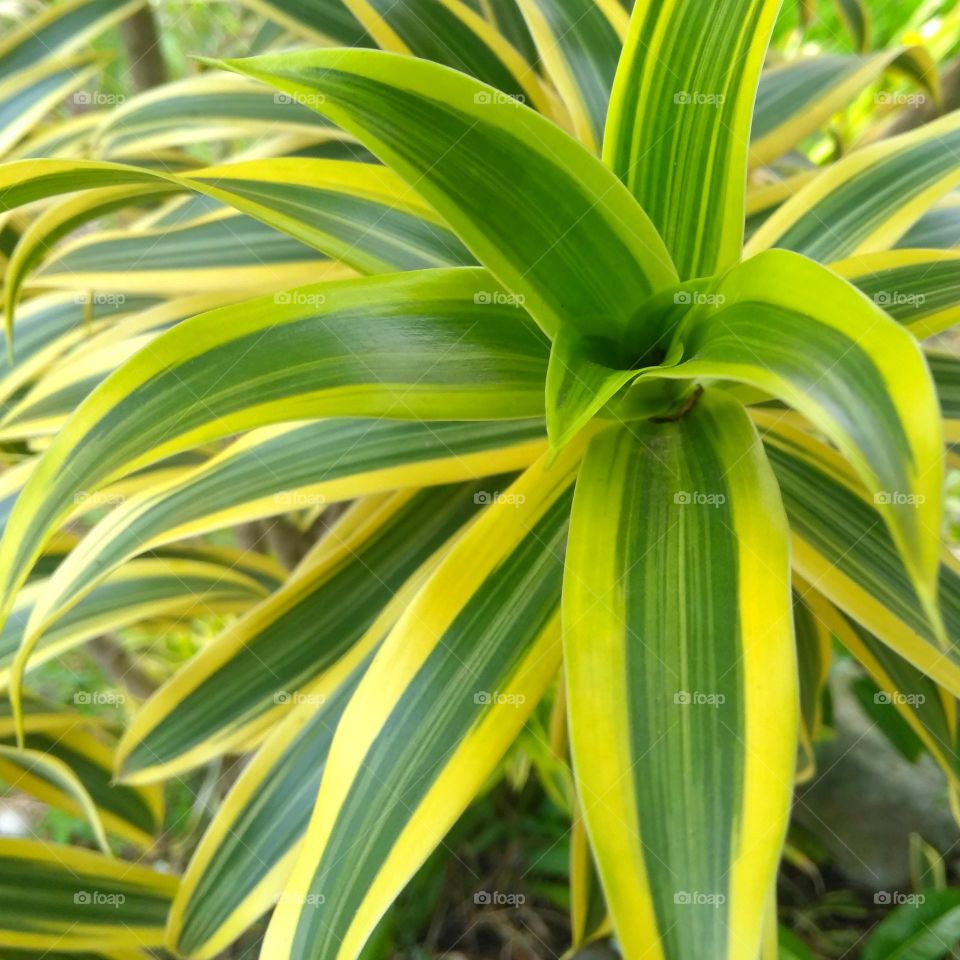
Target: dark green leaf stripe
(231, 690)
(580, 42)
(530, 203)
(441, 702)
(26, 98)
(870, 198)
(56, 896)
(279, 469)
(681, 674)
(421, 346)
(679, 121)
(245, 857)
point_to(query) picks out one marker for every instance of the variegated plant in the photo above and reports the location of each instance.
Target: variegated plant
(596, 448)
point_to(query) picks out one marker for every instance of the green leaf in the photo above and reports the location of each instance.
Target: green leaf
(279, 469)
(333, 610)
(679, 122)
(244, 860)
(797, 98)
(58, 897)
(530, 203)
(865, 202)
(418, 346)
(681, 672)
(841, 544)
(579, 42)
(443, 698)
(786, 326)
(926, 930)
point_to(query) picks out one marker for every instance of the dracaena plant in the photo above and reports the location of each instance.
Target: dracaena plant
(586, 433)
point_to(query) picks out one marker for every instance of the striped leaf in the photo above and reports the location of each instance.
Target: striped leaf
(918, 288)
(681, 672)
(134, 814)
(337, 605)
(939, 227)
(23, 768)
(27, 96)
(796, 99)
(243, 862)
(870, 198)
(440, 703)
(679, 121)
(359, 213)
(279, 469)
(930, 712)
(449, 32)
(423, 345)
(842, 547)
(814, 653)
(846, 366)
(138, 591)
(227, 252)
(330, 21)
(525, 198)
(579, 42)
(62, 898)
(59, 30)
(211, 106)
